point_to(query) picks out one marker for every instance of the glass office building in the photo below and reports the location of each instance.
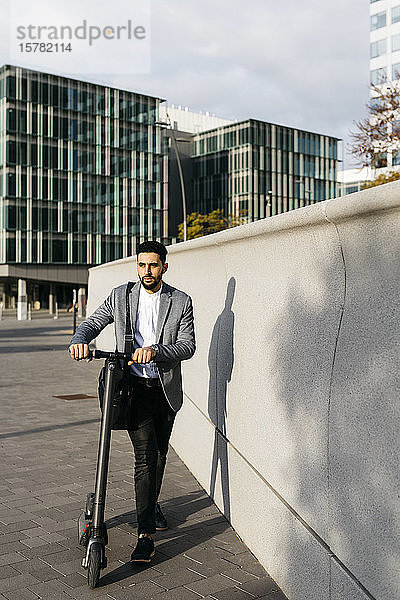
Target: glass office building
(261, 168)
(83, 176)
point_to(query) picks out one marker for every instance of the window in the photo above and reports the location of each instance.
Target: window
(11, 86)
(351, 189)
(10, 191)
(372, 1)
(381, 160)
(11, 120)
(396, 71)
(378, 48)
(396, 14)
(11, 153)
(395, 42)
(378, 20)
(396, 158)
(10, 249)
(11, 217)
(378, 76)
(59, 251)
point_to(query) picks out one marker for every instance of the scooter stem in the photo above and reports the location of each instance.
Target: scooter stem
(104, 453)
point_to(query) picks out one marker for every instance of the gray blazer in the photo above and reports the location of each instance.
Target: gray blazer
(174, 336)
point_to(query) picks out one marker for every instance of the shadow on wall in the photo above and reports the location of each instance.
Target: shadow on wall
(220, 364)
(357, 514)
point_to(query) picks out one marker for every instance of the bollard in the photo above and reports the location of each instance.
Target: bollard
(1, 311)
(29, 312)
(81, 302)
(22, 304)
(56, 315)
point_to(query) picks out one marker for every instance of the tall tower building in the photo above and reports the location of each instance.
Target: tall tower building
(384, 40)
(384, 67)
(385, 53)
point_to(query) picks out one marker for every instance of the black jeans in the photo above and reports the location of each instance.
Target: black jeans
(153, 421)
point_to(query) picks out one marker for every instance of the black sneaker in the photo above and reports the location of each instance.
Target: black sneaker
(161, 521)
(144, 550)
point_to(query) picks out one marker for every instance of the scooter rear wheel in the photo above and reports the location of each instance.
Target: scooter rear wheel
(94, 566)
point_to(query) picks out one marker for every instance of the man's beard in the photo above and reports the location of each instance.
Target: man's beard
(151, 285)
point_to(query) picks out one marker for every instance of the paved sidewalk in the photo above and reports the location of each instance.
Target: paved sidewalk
(48, 459)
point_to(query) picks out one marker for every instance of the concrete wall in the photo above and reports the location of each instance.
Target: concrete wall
(290, 419)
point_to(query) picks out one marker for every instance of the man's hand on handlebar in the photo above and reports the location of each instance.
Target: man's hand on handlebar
(79, 352)
(142, 355)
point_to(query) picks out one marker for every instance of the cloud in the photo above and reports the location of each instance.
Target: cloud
(300, 65)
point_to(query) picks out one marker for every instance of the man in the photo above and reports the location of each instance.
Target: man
(163, 330)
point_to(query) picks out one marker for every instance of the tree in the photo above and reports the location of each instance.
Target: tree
(379, 133)
(199, 225)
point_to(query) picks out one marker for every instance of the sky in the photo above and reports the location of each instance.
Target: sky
(303, 65)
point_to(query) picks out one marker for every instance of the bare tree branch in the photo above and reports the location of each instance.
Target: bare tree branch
(379, 132)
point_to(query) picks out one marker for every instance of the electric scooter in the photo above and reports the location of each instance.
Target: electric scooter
(92, 530)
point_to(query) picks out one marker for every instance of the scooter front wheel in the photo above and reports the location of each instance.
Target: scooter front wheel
(94, 566)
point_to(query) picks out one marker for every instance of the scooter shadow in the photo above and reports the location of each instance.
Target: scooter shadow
(193, 520)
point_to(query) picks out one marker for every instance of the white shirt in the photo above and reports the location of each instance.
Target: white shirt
(145, 332)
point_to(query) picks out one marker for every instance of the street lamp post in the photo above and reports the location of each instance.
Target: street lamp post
(178, 160)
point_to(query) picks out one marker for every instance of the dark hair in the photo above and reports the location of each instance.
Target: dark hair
(153, 246)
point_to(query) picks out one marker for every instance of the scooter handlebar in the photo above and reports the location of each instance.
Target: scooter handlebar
(102, 354)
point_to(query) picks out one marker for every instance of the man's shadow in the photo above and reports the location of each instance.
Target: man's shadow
(220, 364)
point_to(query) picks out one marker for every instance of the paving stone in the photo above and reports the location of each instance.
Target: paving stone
(50, 589)
(117, 572)
(9, 519)
(178, 579)
(260, 587)
(274, 596)
(232, 593)
(127, 574)
(143, 590)
(34, 542)
(11, 558)
(176, 594)
(85, 593)
(11, 547)
(19, 526)
(75, 580)
(15, 536)
(209, 585)
(17, 583)
(61, 559)
(34, 532)
(6, 571)
(237, 575)
(52, 537)
(20, 595)
(38, 569)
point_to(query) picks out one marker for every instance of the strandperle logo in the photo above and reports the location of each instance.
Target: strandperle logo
(85, 31)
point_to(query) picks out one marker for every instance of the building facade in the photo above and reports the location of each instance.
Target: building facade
(353, 180)
(385, 53)
(384, 40)
(83, 179)
(262, 169)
